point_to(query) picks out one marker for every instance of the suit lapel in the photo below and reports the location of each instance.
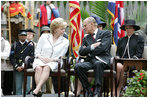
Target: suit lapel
(98, 34)
(90, 40)
(50, 39)
(59, 41)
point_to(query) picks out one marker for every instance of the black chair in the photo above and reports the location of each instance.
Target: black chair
(109, 75)
(27, 72)
(58, 73)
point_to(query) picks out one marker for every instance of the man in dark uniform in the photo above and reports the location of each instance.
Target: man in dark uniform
(96, 46)
(19, 51)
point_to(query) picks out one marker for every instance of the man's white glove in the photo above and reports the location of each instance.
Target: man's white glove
(23, 65)
(38, 10)
(52, 6)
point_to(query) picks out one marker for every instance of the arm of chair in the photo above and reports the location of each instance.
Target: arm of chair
(112, 60)
(64, 63)
(26, 62)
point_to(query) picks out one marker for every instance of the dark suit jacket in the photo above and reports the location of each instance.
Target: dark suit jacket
(102, 51)
(29, 51)
(136, 46)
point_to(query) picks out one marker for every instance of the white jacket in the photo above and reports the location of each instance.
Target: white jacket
(5, 48)
(46, 48)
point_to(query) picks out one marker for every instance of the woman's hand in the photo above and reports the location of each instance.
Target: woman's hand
(45, 60)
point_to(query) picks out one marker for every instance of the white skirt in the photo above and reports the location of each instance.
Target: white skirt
(38, 62)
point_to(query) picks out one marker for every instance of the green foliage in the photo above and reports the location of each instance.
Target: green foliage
(58, 3)
(84, 3)
(99, 8)
(3, 2)
(64, 2)
(137, 86)
(84, 13)
(139, 14)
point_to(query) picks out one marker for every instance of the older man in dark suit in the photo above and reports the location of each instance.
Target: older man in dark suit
(96, 46)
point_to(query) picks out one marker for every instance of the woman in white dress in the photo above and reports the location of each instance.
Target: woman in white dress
(50, 47)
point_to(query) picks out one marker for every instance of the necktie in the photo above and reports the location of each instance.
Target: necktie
(93, 36)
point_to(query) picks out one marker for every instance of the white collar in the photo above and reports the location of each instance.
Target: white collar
(22, 42)
(96, 31)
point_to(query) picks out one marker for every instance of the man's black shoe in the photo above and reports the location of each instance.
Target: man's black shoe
(89, 92)
(97, 92)
(97, 95)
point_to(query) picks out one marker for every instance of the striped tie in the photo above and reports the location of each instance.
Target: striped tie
(92, 35)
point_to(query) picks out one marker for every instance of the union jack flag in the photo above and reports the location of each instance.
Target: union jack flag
(76, 30)
(117, 13)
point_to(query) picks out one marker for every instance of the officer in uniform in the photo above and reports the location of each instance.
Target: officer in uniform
(19, 51)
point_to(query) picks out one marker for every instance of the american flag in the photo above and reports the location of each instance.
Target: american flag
(76, 30)
(117, 13)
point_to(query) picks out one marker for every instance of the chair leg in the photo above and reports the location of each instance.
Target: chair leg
(104, 86)
(76, 84)
(111, 85)
(107, 89)
(68, 83)
(65, 87)
(101, 93)
(25, 82)
(84, 92)
(116, 86)
(59, 86)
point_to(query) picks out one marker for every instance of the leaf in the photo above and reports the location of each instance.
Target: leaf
(58, 3)
(99, 8)
(84, 13)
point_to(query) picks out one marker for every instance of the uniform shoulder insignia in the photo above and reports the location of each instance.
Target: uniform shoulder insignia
(136, 33)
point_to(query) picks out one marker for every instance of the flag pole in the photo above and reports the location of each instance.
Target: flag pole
(9, 25)
(69, 36)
